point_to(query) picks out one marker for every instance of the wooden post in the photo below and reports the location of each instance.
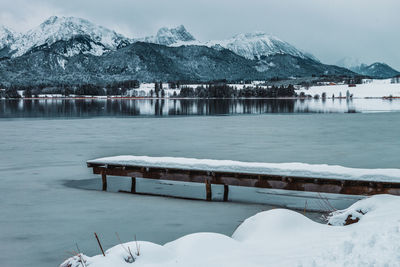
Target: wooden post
(104, 180)
(208, 190)
(133, 186)
(98, 241)
(226, 192)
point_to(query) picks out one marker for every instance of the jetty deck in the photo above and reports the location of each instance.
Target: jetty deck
(231, 173)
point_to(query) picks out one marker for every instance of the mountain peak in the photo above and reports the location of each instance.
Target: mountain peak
(170, 36)
(51, 20)
(57, 28)
(349, 62)
(378, 70)
(7, 36)
(256, 45)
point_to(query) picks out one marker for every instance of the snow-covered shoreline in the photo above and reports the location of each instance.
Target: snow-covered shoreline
(295, 169)
(277, 237)
(368, 89)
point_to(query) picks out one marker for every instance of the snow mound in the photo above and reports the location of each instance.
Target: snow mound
(278, 237)
(295, 169)
(364, 209)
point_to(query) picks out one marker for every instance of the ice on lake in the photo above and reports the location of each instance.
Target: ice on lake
(44, 218)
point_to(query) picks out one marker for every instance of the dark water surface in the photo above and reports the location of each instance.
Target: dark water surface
(187, 107)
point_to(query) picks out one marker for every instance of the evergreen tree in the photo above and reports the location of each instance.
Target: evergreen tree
(157, 89)
(28, 93)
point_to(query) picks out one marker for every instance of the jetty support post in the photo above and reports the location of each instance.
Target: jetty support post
(208, 190)
(104, 180)
(133, 186)
(226, 192)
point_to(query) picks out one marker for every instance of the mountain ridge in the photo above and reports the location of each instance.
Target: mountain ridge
(148, 62)
(378, 70)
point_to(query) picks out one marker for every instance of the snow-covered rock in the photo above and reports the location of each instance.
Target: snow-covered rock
(64, 29)
(169, 36)
(277, 237)
(7, 37)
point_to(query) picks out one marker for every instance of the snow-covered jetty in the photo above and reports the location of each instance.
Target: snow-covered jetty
(286, 176)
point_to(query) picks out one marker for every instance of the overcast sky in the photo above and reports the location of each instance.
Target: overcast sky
(329, 29)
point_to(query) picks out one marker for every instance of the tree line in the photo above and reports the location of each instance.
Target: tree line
(227, 91)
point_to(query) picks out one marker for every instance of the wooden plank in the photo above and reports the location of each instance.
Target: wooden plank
(297, 183)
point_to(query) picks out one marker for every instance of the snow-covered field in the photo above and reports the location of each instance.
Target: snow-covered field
(277, 237)
(372, 88)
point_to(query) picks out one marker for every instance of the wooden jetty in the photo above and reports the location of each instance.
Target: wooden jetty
(231, 178)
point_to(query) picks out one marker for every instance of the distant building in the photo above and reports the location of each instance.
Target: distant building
(395, 79)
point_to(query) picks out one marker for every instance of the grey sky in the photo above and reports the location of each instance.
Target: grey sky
(329, 29)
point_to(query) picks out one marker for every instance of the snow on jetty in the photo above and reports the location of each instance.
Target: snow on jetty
(277, 237)
(295, 169)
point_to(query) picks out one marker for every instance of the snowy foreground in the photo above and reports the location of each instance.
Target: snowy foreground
(276, 237)
(295, 169)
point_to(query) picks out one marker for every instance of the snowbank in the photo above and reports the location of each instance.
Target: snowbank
(277, 237)
(295, 169)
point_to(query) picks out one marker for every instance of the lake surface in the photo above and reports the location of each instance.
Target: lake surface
(186, 107)
(41, 218)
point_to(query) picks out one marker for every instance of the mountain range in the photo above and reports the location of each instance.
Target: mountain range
(376, 70)
(73, 50)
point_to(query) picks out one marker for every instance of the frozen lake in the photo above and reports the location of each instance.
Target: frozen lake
(41, 218)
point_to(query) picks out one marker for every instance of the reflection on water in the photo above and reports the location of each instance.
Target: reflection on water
(171, 107)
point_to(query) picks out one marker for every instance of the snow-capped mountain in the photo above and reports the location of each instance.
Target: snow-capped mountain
(60, 51)
(376, 70)
(57, 29)
(258, 45)
(7, 37)
(169, 36)
(349, 62)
